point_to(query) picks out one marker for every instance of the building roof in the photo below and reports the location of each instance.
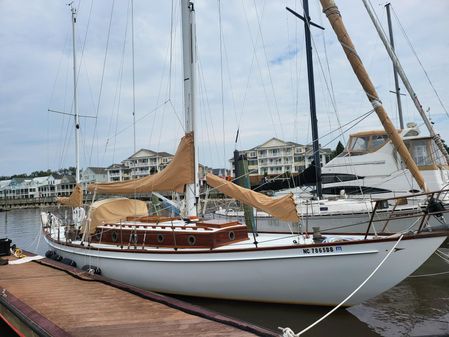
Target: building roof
(274, 142)
(116, 166)
(145, 153)
(66, 179)
(96, 170)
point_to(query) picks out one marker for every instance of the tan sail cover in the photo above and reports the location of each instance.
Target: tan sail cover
(283, 208)
(179, 172)
(74, 200)
(114, 210)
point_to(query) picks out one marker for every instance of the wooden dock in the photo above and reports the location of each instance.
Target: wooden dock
(48, 298)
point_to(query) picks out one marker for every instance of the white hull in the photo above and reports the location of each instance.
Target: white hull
(285, 275)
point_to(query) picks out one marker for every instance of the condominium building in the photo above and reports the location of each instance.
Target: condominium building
(275, 157)
(39, 187)
(140, 164)
(92, 175)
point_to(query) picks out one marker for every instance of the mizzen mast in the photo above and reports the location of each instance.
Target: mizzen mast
(333, 14)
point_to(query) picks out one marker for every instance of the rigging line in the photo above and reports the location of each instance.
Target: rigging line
(253, 59)
(332, 140)
(420, 63)
(82, 54)
(268, 68)
(119, 91)
(361, 117)
(202, 83)
(221, 81)
(259, 70)
(59, 67)
(330, 89)
(101, 82)
(141, 118)
(232, 93)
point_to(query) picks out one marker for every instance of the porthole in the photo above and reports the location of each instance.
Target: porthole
(160, 238)
(231, 235)
(191, 240)
(114, 236)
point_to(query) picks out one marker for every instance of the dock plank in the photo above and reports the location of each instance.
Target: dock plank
(90, 308)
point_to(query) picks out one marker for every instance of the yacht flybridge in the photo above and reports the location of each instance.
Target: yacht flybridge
(221, 259)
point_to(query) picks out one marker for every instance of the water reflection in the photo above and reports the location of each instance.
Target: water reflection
(416, 307)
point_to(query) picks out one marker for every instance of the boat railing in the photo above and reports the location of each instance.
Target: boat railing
(431, 205)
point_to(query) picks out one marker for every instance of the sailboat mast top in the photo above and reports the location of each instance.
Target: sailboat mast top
(333, 14)
(395, 72)
(75, 98)
(406, 82)
(190, 65)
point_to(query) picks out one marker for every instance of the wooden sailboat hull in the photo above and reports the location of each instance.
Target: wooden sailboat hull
(319, 274)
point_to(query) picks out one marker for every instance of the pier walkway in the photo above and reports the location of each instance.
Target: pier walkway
(48, 298)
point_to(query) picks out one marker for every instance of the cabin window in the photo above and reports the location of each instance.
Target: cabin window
(359, 145)
(191, 240)
(377, 142)
(420, 152)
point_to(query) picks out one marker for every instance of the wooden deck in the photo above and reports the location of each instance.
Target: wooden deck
(58, 300)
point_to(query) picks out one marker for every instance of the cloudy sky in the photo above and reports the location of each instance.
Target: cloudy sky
(256, 82)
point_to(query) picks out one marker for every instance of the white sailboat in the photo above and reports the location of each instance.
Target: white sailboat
(218, 259)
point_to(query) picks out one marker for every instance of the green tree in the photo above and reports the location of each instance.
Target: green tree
(339, 149)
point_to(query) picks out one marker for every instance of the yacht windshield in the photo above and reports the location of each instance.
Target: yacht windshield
(359, 145)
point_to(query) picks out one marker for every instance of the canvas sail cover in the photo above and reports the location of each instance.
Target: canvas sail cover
(179, 172)
(74, 200)
(283, 208)
(113, 210)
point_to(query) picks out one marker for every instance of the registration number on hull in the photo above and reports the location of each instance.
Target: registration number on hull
(322, 250)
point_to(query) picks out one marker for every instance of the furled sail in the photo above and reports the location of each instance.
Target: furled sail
(179, 172)
(74, 200)
(283, 208)
(114, 210)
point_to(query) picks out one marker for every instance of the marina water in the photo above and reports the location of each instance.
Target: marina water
(419, 306)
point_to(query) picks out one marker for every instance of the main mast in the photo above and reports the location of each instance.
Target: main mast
(333, 14)
(407, 84)
(75, 99)
(189, 65)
